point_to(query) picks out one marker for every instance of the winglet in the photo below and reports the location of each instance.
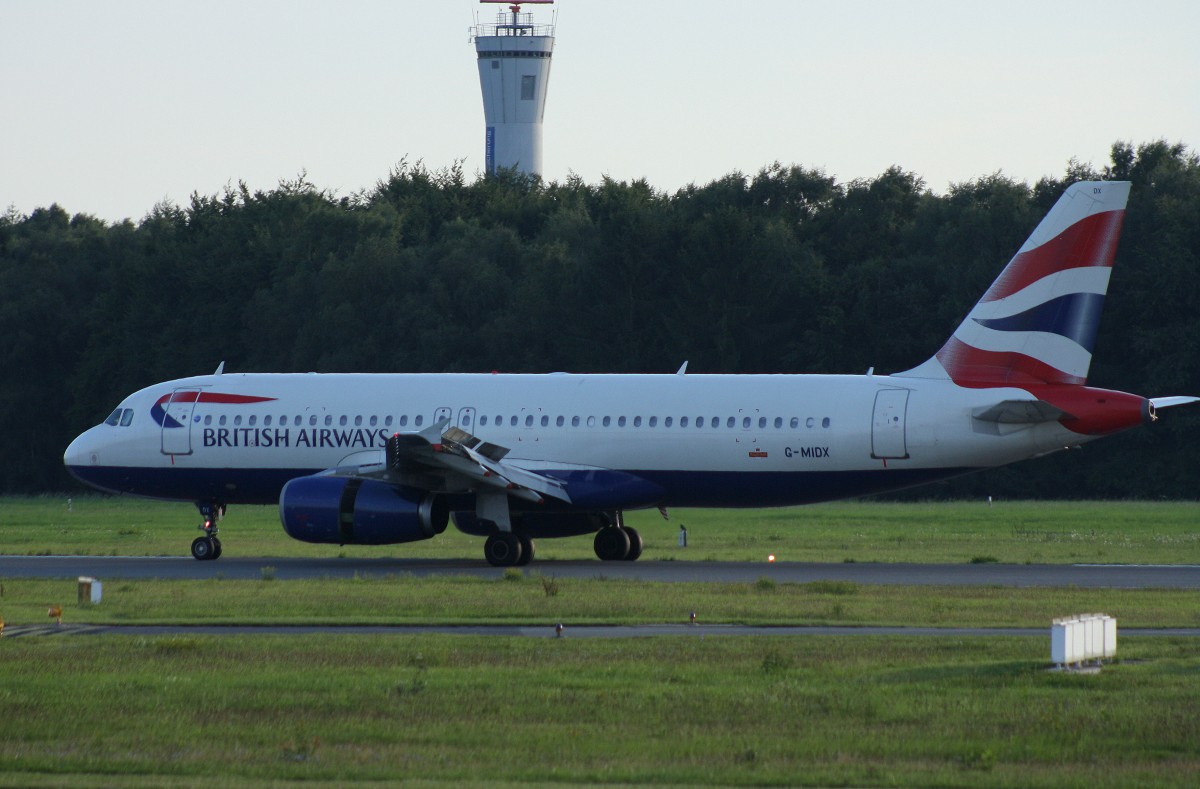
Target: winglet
(682, 369)
(220, 368)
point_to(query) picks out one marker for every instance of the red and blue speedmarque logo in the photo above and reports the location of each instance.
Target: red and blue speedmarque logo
(160, 415)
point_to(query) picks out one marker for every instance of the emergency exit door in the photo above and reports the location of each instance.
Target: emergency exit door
(887, 424)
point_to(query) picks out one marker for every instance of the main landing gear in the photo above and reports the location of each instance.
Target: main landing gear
(618, 542)
(207, 547)
(508, 549)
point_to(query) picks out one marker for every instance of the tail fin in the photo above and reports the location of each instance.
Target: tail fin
(1037, 322)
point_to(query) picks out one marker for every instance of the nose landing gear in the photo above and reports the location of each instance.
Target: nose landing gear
(207, 547)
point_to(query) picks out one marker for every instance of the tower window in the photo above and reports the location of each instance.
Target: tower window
(528, 86)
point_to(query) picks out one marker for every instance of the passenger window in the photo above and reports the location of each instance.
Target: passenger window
(778, 422)
(746, 421)
(466, 420)
(512, 420)
(730, 422)
(810, 422)
(607, 421)
(358, 420)
(653, 421)
(762, 422)
(237, 419)
(312, 420)
(374, 420)
(682, 421)
(529, 420)
(591, 421)
(127, 417)
(667, 422)
(328, 420)
(545, 420)
(560, 421)
(621, 421)
(574, 421)
(267, 420)
(795, 422)
(387, 421)
(221, 421)
(253, 420)
(208, 419)
(403, 420)
(716, 421)
(343, 420)
(419, 419)
(825, 422)
(483, 421)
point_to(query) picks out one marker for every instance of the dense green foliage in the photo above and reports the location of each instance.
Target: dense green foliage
(785, 271)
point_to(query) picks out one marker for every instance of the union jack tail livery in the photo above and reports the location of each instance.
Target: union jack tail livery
(1037, 322)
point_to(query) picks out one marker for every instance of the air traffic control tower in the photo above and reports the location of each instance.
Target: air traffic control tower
(514, 69)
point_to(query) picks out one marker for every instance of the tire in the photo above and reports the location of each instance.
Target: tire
(635, 543)
(612, 544)
(203, 549)
(502, 549)
(216, 549)
(527, 549)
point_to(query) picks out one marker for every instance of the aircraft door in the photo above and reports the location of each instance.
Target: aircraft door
(466, 419)
(177, 421)
(887, 424)
(442, 413)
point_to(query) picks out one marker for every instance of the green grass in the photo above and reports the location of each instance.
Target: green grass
(341, 709)
(468, 600)
(955, 532)
(467, 710)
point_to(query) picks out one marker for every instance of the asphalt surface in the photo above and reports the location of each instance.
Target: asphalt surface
(230, 567)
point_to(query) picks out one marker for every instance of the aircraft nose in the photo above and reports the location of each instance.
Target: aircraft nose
(81, 453)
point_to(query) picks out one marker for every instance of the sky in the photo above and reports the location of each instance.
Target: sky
(109, 108)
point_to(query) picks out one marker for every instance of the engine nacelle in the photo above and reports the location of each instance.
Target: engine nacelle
(347, 510)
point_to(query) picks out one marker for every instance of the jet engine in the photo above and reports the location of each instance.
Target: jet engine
(348, 510)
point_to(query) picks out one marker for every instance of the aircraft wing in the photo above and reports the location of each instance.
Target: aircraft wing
(460, 461)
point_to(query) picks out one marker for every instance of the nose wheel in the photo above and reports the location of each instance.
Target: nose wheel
(208, 547)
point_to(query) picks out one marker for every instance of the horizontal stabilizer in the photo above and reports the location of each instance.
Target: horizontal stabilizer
(1020, 412)
(1168, 402)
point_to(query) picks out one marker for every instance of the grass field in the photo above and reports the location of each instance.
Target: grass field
(341, 709)
(1013, 532)
(856, 711)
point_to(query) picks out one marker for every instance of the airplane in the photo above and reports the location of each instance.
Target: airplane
(391, 458)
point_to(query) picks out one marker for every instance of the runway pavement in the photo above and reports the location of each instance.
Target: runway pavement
(231, 567)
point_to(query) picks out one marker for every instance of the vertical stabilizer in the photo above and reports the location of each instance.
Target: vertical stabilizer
(1037, 322)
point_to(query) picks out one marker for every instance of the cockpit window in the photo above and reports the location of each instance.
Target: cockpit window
(127, 417)
(114, 418)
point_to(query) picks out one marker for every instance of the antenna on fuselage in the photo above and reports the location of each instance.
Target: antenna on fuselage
(220, 368)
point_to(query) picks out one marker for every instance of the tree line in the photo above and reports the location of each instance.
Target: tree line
(786, 270)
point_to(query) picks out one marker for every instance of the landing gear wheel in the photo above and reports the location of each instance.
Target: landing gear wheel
(526, 549)
(635, 543)
(203, 549)
(502, 549)
(216, 548)
(612, 544)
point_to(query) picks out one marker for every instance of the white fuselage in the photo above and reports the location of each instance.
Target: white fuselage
(700, 440)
